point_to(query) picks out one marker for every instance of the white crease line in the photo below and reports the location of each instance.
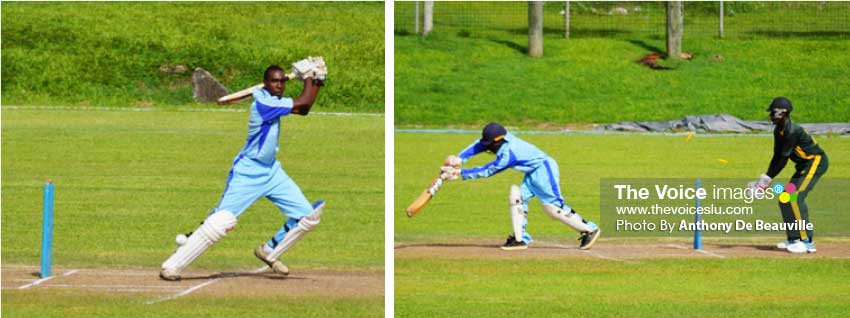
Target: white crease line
(101, 273)
(113, 286)
(603, 256)
(558, 245)
(197, 287)
(185, 292)
(696, 250)
(588, 252)
(710, 253)
(110, 289)
(37, 282)
(71, 272)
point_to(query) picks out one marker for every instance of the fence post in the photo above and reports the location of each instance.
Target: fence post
(535, 28)
(567, 19)
(429, 18)
(674, 29)
(721, 19)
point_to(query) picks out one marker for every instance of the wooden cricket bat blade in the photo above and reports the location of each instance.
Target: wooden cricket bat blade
(238, 95)
(419, 203)
(424, 198)
(227, 99)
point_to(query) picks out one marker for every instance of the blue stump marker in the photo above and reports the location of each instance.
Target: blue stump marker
(697, 219)
(47, 231)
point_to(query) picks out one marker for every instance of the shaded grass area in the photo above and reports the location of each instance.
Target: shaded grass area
(128, 182)
(600, 288)
(110, 54)
(69, 304)
(473, 69)
(477, 209)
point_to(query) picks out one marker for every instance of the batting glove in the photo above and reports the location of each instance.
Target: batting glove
(449, 173)
(453, 161)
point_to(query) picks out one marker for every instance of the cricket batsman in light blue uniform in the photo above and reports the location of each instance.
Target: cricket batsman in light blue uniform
(257, 173)
(541, 180)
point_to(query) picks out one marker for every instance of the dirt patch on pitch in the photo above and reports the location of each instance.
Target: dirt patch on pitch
(609, 251)
(248, 283)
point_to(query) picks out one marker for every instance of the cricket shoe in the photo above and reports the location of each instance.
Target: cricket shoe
(800, 247)
(169, 274)
(783, 245)
(587, 239)
(276, 265)
(514, 245)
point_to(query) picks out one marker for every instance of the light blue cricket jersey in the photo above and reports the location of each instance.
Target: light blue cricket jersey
(264, 126)
(514, 153)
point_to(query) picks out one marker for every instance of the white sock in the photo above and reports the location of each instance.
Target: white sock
(267, 249)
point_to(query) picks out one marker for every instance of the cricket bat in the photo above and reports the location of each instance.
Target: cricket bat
(426, 196)
(238, 96)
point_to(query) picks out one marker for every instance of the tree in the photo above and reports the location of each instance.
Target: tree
(535, 28)
(429, 17)
(675, 29)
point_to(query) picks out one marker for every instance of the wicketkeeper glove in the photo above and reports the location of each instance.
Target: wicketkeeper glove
(762, 183)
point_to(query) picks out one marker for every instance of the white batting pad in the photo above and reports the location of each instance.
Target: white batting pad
(517, 213)
(570, 218)
(212, 230)
(306, 224)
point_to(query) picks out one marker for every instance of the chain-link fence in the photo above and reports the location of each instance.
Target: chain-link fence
(741, 20)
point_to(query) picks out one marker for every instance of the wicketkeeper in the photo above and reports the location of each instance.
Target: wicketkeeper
(541, 180)
(790, 141)
(257, 173)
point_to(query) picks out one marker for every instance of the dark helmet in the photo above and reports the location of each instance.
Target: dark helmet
(780, 103)
(779, 109)
(493, 136)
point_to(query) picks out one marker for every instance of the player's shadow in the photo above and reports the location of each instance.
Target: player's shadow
(414, 245)
(756, 247)
(240, 274)
(479, 245)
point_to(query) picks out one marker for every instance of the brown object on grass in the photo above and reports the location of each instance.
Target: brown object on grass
(207, 88)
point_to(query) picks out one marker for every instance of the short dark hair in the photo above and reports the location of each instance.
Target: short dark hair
(270, 69)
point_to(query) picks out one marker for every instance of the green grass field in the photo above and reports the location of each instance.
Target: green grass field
(110, 54)
(600, 288)
(473, 68)
(127, 182)
(476, 211)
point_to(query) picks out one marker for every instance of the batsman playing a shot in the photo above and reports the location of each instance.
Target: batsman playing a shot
(541, 180)
(790, 141)
(257, 173)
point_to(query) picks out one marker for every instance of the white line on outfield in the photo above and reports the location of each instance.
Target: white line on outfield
(581, 132)
(196, 287)
(589, 132)
(190, 110)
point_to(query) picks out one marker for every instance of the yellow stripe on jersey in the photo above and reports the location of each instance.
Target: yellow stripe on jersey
(803, 235)
(811, 173)
(803, 153)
